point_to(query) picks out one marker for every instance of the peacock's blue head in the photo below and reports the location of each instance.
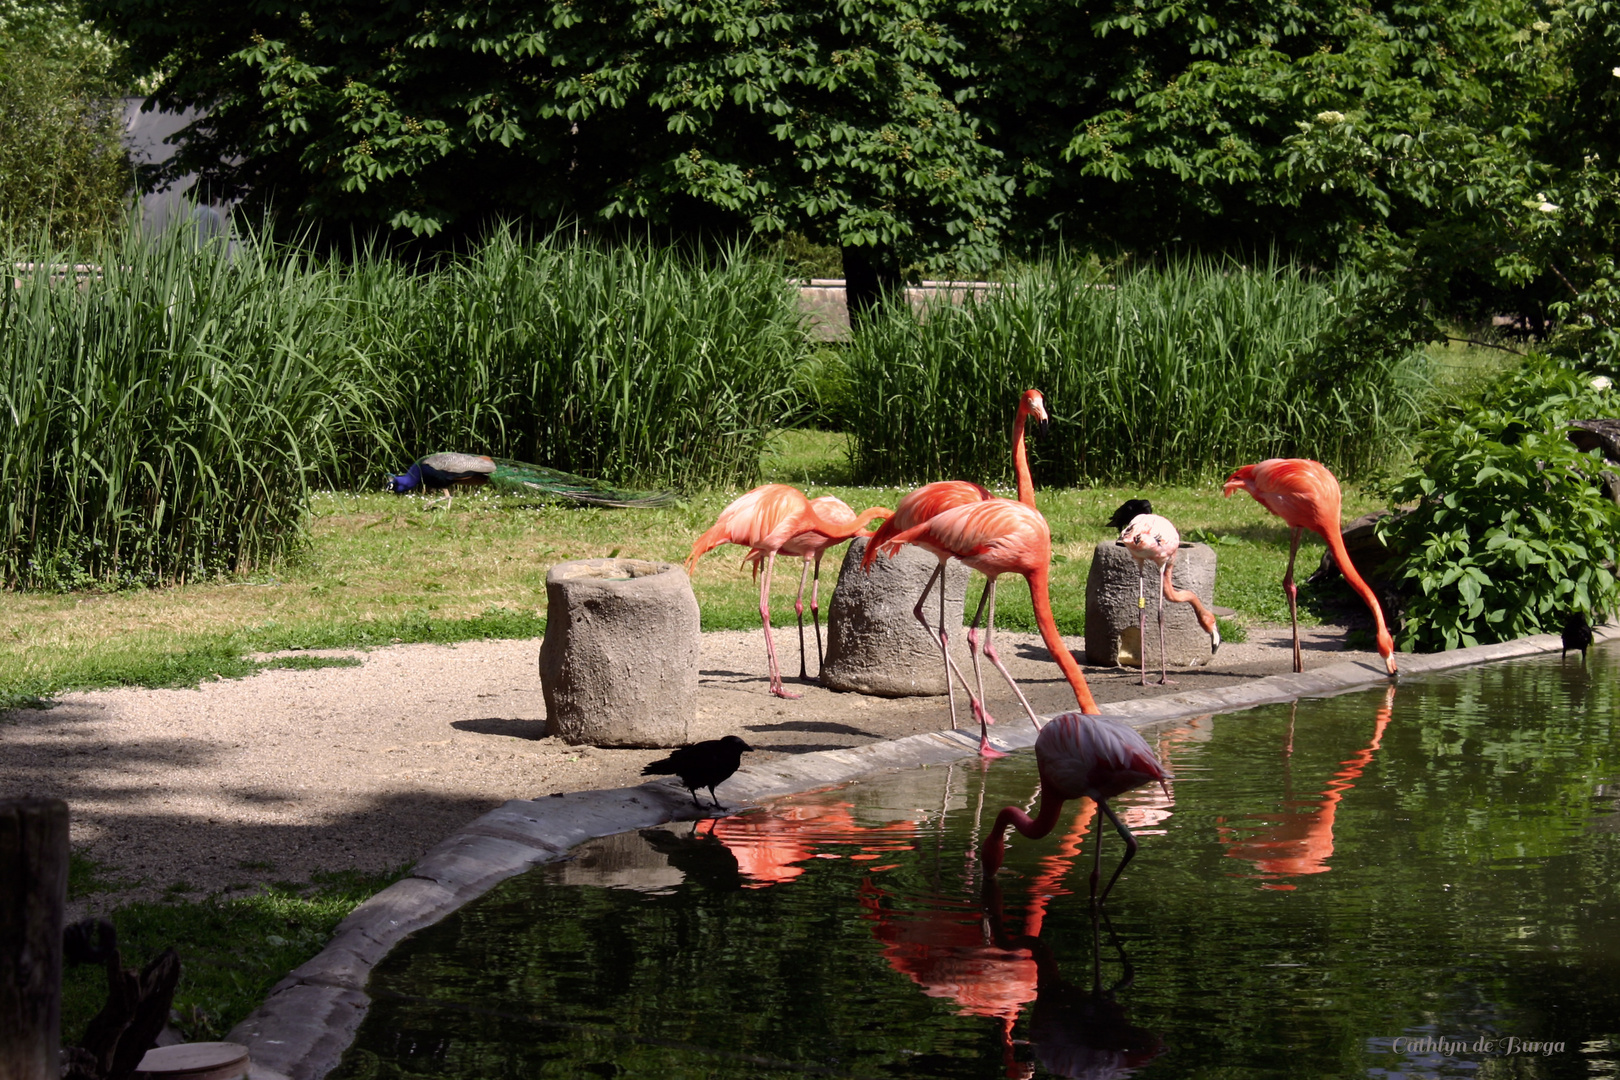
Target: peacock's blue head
(412, 480)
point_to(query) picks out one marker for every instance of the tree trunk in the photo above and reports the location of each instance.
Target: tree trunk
(870, 274)
(33, 893)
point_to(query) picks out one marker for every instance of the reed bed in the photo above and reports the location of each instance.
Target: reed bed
(169, 412)
(1167, 375)
(163, 414)
(627, 363)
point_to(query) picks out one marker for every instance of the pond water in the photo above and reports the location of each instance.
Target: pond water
(1418, 881)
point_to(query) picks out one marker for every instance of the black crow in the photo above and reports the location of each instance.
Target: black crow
(1577, 635)
(1128, 510)
(703, 764)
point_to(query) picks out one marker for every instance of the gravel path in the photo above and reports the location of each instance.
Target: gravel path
(271, 778)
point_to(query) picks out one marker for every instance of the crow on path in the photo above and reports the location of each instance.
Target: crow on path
(703, 764)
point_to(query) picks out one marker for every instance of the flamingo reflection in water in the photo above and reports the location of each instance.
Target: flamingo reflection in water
(1301, 841)
(956, 950)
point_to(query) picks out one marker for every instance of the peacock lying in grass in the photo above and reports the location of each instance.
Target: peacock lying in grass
(437, 472)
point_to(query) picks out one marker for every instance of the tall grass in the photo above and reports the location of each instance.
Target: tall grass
(1168, 375)
(162, 415)
(630, 363)
(166, 413)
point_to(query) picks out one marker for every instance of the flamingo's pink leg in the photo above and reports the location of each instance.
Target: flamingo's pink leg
(988, 596)
(815, 614)
(798, 609)
(1141, 620)
(1164, 581)
(765, 616)
(944, 649)
(1293, 599)
(990, 651)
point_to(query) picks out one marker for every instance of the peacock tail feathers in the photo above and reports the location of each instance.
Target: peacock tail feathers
(519, 477)
(439, 471)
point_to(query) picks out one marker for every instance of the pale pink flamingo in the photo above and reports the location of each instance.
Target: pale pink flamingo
(1078, 754)
(1150, 538)
(994, 538)
(1306, 496)
(764, 521)
(812, 544)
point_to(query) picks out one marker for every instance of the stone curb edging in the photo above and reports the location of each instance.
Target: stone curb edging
(310, 1017)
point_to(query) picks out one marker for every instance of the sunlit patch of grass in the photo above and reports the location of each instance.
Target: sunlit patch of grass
(381, 569)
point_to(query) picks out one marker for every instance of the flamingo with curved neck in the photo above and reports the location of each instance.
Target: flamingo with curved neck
(933, 499)
(997, 537)
(1306, 495)
(765, 520)
(838, 524)
(1079, 754)
(1150, 538)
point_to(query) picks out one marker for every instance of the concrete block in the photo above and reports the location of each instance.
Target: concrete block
(1112, 613)
(875, 645)
(619, 663)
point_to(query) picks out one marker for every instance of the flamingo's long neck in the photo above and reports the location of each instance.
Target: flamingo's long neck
(1040, 599)
(1026, 485)
(1335, 543)
(995, 844)
(868, 516)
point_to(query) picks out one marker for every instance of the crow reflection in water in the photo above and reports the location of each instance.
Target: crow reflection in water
(699, 855)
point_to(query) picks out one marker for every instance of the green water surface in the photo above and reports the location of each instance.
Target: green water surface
(1375, 884)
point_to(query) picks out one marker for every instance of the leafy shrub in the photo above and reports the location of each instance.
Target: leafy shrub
(1511, 529)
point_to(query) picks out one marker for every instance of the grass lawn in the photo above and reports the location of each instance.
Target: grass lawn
(380, 569)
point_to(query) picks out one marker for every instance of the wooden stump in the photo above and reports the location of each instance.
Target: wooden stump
(33, 893)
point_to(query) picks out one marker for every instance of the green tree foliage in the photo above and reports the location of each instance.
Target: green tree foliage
(62, 168)
(1163, 123)
(844, 121)
(1511, 529)
(1499, 195)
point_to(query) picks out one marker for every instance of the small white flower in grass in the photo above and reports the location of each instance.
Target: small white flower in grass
(1616, 73)
(1330, 117)
(1602, 382)
(1541, 27)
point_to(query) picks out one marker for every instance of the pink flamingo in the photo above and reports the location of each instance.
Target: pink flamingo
(1080, 754)
(994, 538)
(1152, 539)
(764, 521)
(812, 544)
(1306, 495)
(940, 496)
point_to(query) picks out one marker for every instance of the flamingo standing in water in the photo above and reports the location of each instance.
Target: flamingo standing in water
(932, 499)
(994, 538)
(1150, 538)
(1079, 754)
(812, 544)
(765, 520)
(1305, 495)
